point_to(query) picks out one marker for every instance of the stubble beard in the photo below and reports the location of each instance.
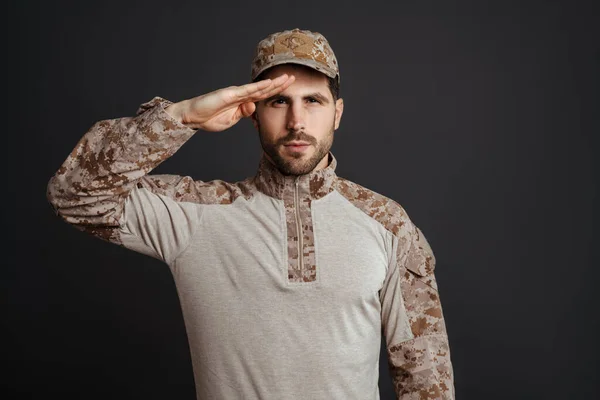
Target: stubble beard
(295, 164)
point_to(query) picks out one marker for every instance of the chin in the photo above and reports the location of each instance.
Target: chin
(296, 156)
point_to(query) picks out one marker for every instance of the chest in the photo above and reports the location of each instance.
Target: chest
(327, 245)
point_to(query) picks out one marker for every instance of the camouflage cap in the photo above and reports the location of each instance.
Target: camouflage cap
(296, 47)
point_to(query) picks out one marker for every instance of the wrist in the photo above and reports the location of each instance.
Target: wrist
(175, 110)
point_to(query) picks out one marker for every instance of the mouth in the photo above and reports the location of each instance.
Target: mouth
(297, 146)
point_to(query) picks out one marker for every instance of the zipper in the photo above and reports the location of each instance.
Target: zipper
(299, 229)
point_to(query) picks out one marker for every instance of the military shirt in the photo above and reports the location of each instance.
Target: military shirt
(286, 283)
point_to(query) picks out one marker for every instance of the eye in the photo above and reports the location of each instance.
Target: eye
(312, 100)
(278, 101)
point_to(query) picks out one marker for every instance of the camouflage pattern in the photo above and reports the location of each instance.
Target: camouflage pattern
(297, 47)
(90, 188)
(420, 368)
(297, 194)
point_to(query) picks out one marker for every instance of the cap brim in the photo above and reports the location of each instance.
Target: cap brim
(308, 63)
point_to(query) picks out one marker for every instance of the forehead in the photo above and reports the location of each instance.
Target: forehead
(306, 77)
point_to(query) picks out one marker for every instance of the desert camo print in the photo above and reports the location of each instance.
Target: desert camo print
(297, 46)
(90, 188)
(314, 186)
(307, 271)
(421, 367)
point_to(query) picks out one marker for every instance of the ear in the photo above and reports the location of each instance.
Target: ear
(339, 110)
(254, 118)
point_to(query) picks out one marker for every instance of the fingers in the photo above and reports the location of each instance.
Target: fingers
(285, 83)
(256, 91)
(247, 109)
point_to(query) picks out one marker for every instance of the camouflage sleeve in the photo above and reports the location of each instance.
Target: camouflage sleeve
(112, 159)
(417, 341)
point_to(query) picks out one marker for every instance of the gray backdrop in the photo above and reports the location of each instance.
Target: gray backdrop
(480, 118)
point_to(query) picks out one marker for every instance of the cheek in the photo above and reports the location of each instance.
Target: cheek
(271, 121)
(267, 126)
(323, 120)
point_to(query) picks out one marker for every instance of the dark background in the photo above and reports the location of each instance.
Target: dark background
(480, 118)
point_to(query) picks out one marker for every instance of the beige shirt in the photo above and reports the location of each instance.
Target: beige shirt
(286, 283)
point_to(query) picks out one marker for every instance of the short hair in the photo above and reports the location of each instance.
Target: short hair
(332, 83)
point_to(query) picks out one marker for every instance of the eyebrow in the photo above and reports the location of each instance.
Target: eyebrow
(315, 95)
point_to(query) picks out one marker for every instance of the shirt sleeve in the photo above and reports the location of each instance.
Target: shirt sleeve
(413, 323)
(103, 186)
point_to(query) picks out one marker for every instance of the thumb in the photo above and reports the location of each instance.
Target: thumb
(247, 109)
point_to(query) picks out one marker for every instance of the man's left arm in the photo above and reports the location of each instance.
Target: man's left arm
(413, 322)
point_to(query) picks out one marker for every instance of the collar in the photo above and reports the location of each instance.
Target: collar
(313, 185)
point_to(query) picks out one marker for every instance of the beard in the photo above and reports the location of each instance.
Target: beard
(296, 164)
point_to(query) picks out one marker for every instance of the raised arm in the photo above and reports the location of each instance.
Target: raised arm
(91, 187)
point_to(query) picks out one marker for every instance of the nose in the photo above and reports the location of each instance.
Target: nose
(296, 118)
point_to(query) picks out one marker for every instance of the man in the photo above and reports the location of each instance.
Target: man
(288, 278)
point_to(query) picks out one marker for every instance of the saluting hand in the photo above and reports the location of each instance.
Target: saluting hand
(223, 108)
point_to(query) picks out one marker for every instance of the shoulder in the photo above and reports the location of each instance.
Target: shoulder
(187, 189)
(413, 246)
(384, 210)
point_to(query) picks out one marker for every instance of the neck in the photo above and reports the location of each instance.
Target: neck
(314, 184)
